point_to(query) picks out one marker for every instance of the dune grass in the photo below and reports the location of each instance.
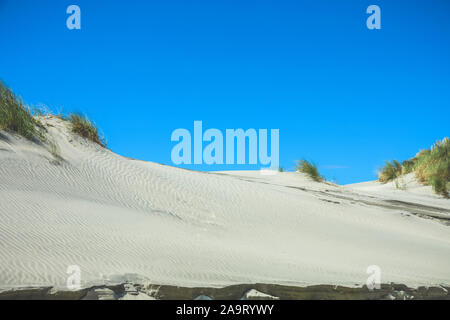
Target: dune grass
(17, 117)
(310, 169)
(82, 126)
(390, 171)
(431, 166)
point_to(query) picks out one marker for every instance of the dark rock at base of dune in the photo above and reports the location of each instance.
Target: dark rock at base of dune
(235, 292)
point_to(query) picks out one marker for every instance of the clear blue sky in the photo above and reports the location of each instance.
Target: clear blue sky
(341, 95)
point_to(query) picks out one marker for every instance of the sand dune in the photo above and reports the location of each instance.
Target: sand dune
(119, 219)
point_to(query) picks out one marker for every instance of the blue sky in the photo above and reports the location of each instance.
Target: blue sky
(346, 97)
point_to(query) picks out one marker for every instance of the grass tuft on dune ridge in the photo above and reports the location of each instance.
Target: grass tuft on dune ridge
(431, 166)
(310, 169)
(390, 171)
(17, 117)
(84, 127)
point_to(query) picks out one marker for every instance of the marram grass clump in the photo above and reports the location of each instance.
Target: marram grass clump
(310, 169)
(82, 126)
(390, 171)
(431, 166)
(17, 117)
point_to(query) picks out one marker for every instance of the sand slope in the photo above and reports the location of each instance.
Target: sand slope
(118, 219)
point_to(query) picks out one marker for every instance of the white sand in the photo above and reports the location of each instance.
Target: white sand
(415, 191)
(120, 219)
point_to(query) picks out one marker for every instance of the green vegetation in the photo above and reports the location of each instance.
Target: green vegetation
(82, 126)
(408, 166)
(16, 117)
(390, 171)
(310, 169)
(431, 166)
